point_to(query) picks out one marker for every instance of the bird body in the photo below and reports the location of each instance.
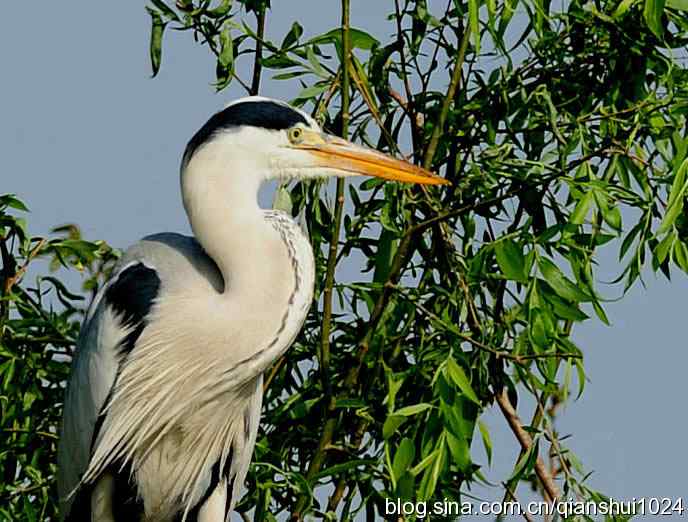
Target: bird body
(163, 404)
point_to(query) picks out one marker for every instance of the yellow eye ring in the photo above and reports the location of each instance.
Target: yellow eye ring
(295, 134)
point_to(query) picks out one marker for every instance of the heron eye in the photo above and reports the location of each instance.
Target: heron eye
(296, 135)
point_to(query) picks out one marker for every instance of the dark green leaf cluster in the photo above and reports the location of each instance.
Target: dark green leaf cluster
(39, 323)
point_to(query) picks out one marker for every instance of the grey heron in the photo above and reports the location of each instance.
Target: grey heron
(163, 404)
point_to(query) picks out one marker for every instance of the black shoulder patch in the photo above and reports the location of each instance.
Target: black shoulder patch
(131, 296)
(265, 114)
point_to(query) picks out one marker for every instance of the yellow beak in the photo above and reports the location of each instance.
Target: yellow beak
(332, 152)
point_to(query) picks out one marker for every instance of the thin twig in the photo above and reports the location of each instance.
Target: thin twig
(257, 62)
(330, 425)
(446, 103)
(510, 495)
(550, 487)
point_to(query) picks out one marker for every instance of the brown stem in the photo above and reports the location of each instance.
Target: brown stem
(524, 438)
(329, 429)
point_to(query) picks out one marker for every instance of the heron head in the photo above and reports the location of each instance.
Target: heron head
(274, 140)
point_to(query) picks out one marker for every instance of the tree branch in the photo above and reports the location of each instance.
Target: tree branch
(524, 438)
(257, 62)
(438, 129)
(330, 425)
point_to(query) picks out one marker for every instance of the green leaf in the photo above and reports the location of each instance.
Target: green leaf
(338, 469)
(292, 36)
(403, 457)
(315, 63)
(600, 312)
(415, 409)
(676, 198)
(681, 255)
(624, 6)
(526, 462)
(157, 29)
(432, 473)
(226, 57)
(487, 442)
(680, 5)
(652, 11)
(9, 200)
(460, 451)
(665, 246)
(359, 39)
(560, 283)
(538, 329)
(510, 259)
(582, 208)
(391, 425)
(459, 377)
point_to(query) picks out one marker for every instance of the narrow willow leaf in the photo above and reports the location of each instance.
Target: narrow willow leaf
(220, 10)
(676, 198)
(315, 63)
(613, 217)
(560, 283)
(359, 39)
(526, 462)
(459, 450)
(391, 425)
(10, 200)
(628, 240)
(600, 312)
(665, 246)
(652, 11)
(681, 255)
(624, 6)
(403, 458)
(432, 473)
(459, 377)
(510, 259)
(538, 330)
(292, 36)
(226, 57)
(487, 442)
(415, 409)
(582, 208)
(157, 29)
(338, 469)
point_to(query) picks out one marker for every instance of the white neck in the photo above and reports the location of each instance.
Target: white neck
(221, 201)
(265, 260)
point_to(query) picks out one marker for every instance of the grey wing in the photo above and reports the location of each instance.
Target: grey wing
(116, 319)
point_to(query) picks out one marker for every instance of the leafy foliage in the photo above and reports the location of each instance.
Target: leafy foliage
(562, 130)
(39, 323)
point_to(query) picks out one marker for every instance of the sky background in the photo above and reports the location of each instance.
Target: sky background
(86, 136)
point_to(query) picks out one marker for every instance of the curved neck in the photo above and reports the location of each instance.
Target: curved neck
(221, 201)
(265, 260)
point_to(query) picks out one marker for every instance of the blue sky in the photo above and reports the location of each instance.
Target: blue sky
(88, 137)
